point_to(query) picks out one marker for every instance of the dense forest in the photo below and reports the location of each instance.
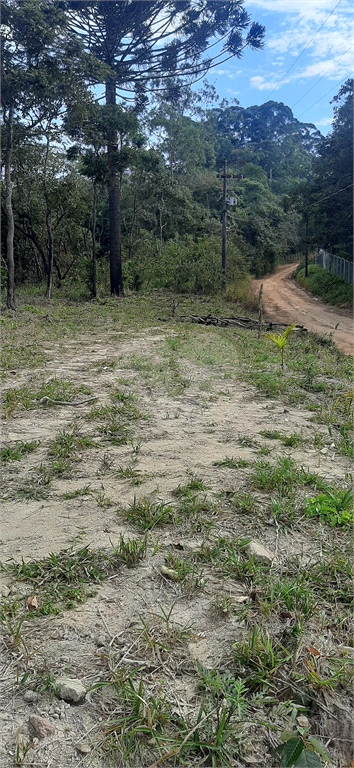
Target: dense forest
(128, 193)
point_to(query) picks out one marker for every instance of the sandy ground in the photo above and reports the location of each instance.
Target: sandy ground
(187, 432)
(285, 302)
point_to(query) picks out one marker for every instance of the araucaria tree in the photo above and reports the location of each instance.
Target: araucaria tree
(144, 42)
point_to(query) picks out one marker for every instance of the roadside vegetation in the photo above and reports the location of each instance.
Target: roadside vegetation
(331, 288)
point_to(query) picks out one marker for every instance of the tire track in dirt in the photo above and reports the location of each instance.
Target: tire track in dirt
(284, 301)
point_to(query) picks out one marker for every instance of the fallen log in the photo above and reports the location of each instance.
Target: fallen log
(235, 322)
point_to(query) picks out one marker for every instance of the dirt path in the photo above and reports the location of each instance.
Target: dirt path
(284, 301)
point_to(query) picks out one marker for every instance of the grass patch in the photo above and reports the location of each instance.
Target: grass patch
(285, 477)
(64, 449)
(61, 580)
(320, 282)
(334, 507)
(55, 389)
(147, 514)
(19, 449)
(232, 463)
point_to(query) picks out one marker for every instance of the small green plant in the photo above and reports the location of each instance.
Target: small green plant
(15, 452)
(85, 491)
(232, 463)
(280, 340)
(131, 551)
(300, 750)
(333, 506)
(148, 514)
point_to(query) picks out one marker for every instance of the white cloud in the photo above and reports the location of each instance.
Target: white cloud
(263, 85)
(324, 121)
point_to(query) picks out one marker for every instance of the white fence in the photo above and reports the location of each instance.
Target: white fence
(335, 264)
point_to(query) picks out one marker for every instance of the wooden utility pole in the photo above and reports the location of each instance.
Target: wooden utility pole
(306, 245)
(223, 242)
(260, 311)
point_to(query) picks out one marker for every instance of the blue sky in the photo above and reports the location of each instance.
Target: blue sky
(324, 28)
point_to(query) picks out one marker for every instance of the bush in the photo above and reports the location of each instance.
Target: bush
(331, 288)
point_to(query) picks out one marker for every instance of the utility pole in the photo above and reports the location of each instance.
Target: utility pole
(306, 244)
(223, 242)
(232, 201)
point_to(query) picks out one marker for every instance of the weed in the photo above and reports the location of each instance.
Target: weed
(194, 484)
(15, 452)
(232, 463)
(297, 748)
(264, 450)
(271, 434)
(262, 655)
(129, 473)
(59, 580)
(85, 491)
(131, 551)
(189, 578)
(63, 449)
(38, 486)
(147, 514)
(243, 502)
(285, 477)
(333, 506)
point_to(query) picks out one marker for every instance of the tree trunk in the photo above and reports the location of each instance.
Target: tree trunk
(48, 221)
(10, 301)
(114, 201)
(94, 205)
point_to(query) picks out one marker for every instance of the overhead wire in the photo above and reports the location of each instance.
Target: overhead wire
(321, 78)
(304, 49)
(325, 94)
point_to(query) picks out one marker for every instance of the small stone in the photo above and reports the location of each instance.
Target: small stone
(41, 726)
(100, 641)
(83, 748)
(70, 689)
(5, 590)
(259, 553)
(30, 696)
(303, 721)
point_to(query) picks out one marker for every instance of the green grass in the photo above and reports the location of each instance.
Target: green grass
(147, 514)
(330, 287)
(19, 449)
(55, 389)
(334, 507)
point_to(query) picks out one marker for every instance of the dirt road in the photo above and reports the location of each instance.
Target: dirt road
(284, 301)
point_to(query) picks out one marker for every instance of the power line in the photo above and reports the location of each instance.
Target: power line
(324, 95)
(333, 195)
(321, 78)
(304, 49)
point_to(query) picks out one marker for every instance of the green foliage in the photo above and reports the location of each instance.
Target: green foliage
(320, 282)
(333, 506)
(301, 750)
(147, 514)
(15, 452)
(280, 340)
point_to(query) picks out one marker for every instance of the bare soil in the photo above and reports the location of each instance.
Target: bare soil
(284, 301)
(182, 433)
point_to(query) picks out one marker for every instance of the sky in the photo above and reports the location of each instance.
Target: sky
(308, 54)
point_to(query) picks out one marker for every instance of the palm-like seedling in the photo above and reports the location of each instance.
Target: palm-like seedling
(280, 340)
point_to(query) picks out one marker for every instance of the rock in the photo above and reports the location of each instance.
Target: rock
(100, 641)
(83, 748)
(30, 696)
(5, 590)
(70, 689)
(41, 726)
(259, 553)
(303, 721)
